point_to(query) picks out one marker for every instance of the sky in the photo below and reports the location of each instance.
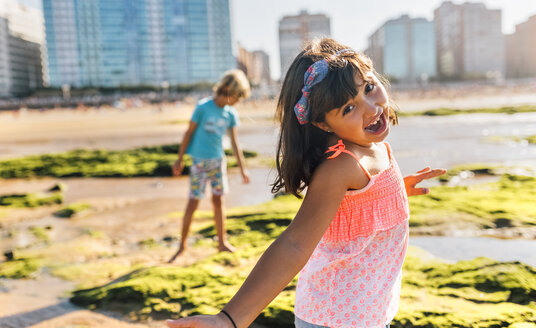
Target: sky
(255, 22)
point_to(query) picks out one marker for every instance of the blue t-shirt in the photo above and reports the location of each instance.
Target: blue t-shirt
(212, 123)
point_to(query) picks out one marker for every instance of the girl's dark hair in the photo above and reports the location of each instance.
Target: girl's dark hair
(301, 147)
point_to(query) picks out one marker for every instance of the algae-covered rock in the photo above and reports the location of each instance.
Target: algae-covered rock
(144, 161)
(531, 139)
(178, 290)
(523, 325)
(71, 210)
(466, 170)
(206, 286)
(31, 199)
(19, 268)
(528, 139)
(455, 111)
(505, 203)
(478, 293)
(40, 233)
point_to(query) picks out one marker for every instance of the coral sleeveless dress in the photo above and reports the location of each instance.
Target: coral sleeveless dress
(353, 277)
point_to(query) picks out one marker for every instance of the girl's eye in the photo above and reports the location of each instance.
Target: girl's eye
(369, 87)
(347, 109)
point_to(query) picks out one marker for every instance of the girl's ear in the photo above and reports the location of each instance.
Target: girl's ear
(321, 126)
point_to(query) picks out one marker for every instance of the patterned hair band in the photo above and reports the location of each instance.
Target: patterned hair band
(314, 75)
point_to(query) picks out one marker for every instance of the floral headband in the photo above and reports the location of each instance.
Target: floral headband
(314, 75)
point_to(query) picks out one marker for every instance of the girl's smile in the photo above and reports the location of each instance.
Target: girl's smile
(378, 126)
(364, 119)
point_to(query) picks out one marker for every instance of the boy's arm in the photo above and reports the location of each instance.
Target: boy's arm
(179, 165)
(239, 155)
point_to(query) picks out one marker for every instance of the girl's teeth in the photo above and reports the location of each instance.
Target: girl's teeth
(371, 124)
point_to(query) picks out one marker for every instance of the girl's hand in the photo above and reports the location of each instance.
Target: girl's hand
(412, 180)
(177, 168)
(201, 321)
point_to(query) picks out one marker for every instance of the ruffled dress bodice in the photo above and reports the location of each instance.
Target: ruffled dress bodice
(353, 277)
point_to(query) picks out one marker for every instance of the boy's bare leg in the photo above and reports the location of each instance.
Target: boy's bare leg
(219, 219)
(191, 206)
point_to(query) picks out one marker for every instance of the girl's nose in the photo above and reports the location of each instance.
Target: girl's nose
(373, 108)
(381, 99)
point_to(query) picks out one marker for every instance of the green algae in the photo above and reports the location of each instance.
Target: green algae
(205, 286)
(454, 111)
(94, 233)
(84, 248)
(474, 168)
(523, 325)
(31, 199)
(139, 162)
(19, 268)
(72, 210)
(505, 203)
(40, 233)
(92, 273)
(478, 293)
(530, 139)
(182, 289)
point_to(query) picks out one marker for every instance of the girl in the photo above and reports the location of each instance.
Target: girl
(350, 235)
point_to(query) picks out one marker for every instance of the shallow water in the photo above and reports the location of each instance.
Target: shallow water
(467, 248)
(442, 141)
(446, 141)
(422, 141)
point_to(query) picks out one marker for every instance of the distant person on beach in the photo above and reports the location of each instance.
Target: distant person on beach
(350, 235)
(203, 141)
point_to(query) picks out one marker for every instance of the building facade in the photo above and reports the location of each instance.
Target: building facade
(403, 49)
(137, 42)
(520, 50)
(256, 65)
(470, 43)
(21, 45)
(296, 31)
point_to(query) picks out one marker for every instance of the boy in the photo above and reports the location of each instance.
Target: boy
(211, 119)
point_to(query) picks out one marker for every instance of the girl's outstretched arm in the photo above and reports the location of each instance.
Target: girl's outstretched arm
(290, 251)
(412, 180)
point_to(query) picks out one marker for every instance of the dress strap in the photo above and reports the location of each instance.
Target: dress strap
(388, 146)
(339, 148)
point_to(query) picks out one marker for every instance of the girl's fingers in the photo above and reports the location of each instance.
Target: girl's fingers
(436, 172)
(422, 175)
(424, 170)
(418, 191)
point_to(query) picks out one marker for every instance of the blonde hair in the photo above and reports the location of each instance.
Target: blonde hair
(233, 83)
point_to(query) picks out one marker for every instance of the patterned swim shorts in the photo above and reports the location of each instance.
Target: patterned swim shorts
(208, 170)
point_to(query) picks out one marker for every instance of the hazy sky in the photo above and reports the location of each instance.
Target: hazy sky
(352, 21)
(255, 22)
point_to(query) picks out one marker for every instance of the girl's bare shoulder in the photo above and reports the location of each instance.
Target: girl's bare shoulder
(343, 170)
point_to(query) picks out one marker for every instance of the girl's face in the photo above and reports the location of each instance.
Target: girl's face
(363, 120)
